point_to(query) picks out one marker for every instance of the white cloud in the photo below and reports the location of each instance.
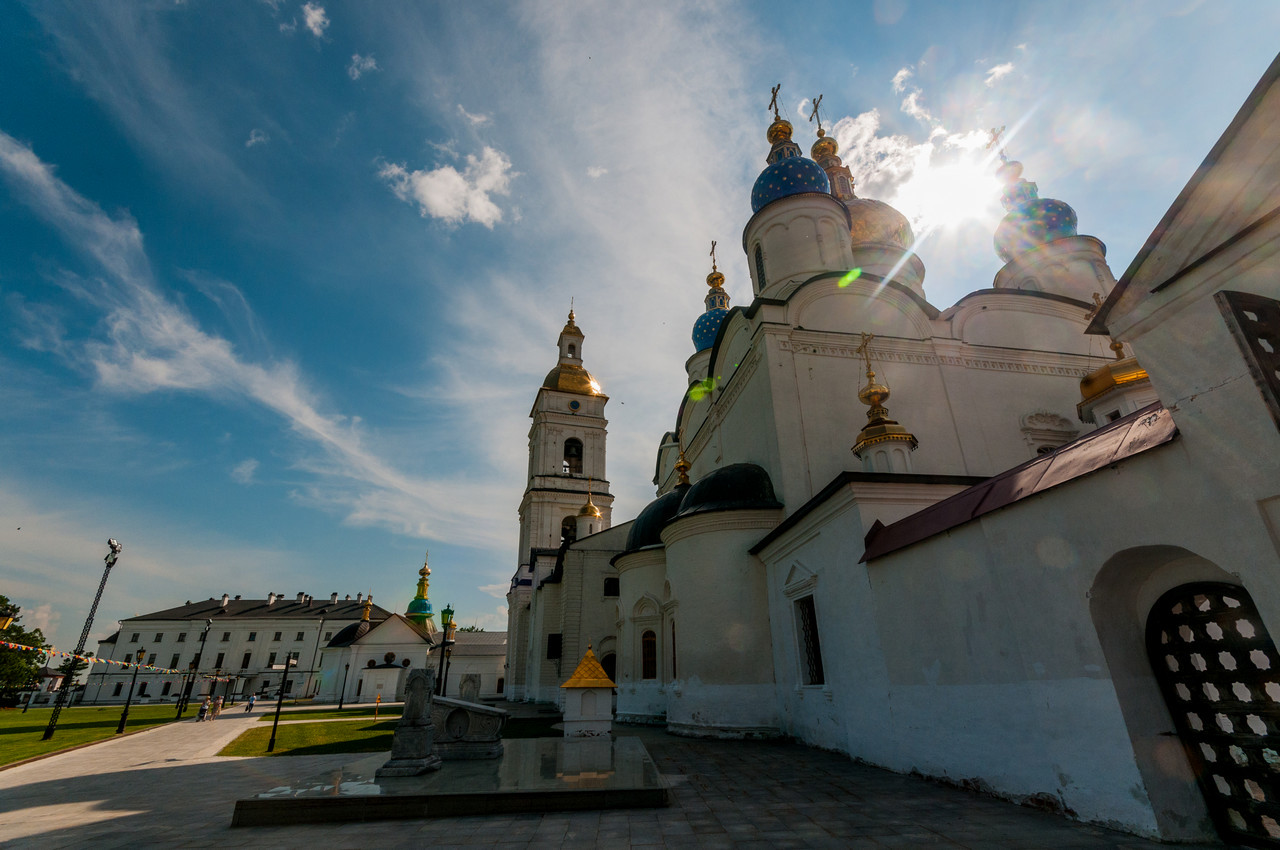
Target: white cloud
(499, 590)
(290, 27)
(316, 20)
(596, 171)
(476, 120)
(153, 343)
(243, 471)
(451, 195)
(42, 617)
(911, 106)
(361, 65)
(900, 80)
(256, 137)
(997, 72)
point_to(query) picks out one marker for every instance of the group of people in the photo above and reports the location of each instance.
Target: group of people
(210, 709)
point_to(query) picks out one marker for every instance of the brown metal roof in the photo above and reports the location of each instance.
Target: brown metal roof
(1144, 429)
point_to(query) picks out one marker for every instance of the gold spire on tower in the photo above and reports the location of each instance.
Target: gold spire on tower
(368, 604)
(879, 428)
(682, 469)
(589, 509)
(780, 129)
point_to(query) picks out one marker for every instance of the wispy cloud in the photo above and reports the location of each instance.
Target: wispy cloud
(315, 19)
(900, 79)
(596, 171)
(455, 196)
(242, 472)
(998, 72)
(152, 343)
(361, 65)
(476, 120)
(256, 137)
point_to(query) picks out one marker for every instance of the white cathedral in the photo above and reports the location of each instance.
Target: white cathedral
(1029, 543)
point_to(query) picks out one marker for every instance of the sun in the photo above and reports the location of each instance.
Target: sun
(948, 194)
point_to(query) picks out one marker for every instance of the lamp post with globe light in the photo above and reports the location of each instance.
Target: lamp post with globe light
(124, 715)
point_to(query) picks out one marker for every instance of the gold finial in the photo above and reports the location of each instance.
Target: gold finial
(368, 604)
(879, 428)
(1118, 347)
(715, 278)
(682, 470)
(1097, 305)
(773, 103)
(589, 509)
(814, 116)
(425, 571)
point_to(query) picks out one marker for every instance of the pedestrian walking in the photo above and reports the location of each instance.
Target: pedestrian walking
(249, 705)
(217, 708)
(204, 709)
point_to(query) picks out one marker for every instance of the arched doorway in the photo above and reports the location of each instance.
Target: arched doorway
(1219, 673)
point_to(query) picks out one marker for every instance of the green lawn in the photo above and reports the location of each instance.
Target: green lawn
(309, 739)
(20, 734)
(326, 714)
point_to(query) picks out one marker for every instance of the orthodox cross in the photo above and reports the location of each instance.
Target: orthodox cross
(1097, 305)
(713, 255)
(864, 349)
(773, 104)
(995, 133)
(814, 116)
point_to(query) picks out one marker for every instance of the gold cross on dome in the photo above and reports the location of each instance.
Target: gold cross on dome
(773, 103)
(994, 135)
(713, 255)
(864, 349)
(814, 116)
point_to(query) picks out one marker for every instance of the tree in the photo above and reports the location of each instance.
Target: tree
(470, 629)
(19, 668)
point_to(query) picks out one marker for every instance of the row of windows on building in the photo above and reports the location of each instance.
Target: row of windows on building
(167, 687)
(226, 636)
(219, 661)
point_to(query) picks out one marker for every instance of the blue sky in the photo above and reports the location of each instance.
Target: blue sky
(279, 280)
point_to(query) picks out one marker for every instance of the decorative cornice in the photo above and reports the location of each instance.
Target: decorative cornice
(748, 520)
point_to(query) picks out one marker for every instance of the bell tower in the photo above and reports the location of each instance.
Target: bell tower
(566, 451)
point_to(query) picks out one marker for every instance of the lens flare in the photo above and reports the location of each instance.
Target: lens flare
(849, 277)
(702, 389)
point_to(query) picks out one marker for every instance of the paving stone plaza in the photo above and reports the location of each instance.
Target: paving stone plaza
(167, 787)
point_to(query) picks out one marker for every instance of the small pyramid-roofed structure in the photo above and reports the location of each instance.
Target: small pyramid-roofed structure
(589, 674)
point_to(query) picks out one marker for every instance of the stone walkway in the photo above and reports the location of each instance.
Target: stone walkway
(167, 787)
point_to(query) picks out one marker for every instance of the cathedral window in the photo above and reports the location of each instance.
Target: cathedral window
(811, 650)
(611, 586)
(119, 687)
(573, 456)
(553, 645)
(760, 282)
(649, 655)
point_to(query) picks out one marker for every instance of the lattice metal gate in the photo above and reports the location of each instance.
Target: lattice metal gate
(1220, 675)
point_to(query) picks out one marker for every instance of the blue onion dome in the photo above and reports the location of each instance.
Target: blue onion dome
(736, 487)
(789, 172)
(419, 606)
(708, 324)
(1032, 220)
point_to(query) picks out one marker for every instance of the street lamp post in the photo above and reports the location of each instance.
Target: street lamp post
(114, 553)
(342, 695)
(284, 677)
(446, 640)
(124, 715)
(195, 668)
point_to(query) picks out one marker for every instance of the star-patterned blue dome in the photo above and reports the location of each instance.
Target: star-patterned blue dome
(792, 175)
(706, 328)
(1032, 220)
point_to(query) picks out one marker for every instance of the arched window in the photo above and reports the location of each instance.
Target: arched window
(611, 586)
(573, 456)
(502, 683)
(760, 281)
(648, 655)
(568, 530)
(610, 664)
(573, 350)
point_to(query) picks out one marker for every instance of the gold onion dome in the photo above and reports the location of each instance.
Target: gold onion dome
(570, 378)
(589, 509)
(825, 146)
(715, 280)
(779, 131)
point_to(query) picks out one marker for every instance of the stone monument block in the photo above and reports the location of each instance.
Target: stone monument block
(412, 746)
(469, 687)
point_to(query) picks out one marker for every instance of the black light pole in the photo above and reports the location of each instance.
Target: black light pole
(182, 689)
(63, 693)
(446, 624)
(342, 695)
(195, 667)
(284, 677)
(124, 715)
